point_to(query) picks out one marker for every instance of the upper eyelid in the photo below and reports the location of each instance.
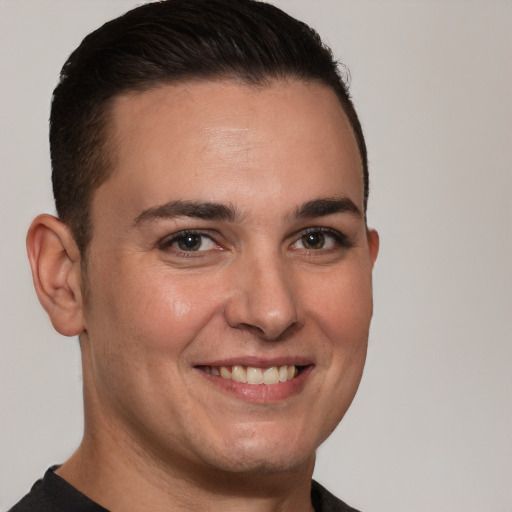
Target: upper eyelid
(184, 232)
(322, 229)
(340, 237)
(166, 241)
(214, 234)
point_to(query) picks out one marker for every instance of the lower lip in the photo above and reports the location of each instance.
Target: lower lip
(261, 393)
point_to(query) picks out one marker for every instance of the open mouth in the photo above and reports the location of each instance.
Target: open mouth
(254, 375)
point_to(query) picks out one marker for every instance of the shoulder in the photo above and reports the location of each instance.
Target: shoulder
(324, 501)
(54, 494)
(34, 501)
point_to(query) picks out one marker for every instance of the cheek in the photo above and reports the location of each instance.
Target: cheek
(343, 306)
(343, 313)
(148, 312)
(142, 328)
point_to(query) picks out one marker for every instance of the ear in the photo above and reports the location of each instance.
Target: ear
(55, 262)
(373, 244)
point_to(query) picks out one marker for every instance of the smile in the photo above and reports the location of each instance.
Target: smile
(253, 375)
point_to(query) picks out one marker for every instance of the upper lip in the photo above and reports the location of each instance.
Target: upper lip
(258, 362)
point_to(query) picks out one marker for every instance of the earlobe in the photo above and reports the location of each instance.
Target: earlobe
(373, 244)
(55, 262)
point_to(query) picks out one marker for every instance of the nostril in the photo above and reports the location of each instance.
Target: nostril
(278, 334)
(254, 329)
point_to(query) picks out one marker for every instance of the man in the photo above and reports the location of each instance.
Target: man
(211, 253)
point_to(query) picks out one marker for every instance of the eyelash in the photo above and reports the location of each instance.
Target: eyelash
(168, 241)
(340, 239)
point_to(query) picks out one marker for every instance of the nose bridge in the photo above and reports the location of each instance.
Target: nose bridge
(264, 299)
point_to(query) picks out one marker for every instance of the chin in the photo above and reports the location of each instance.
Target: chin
(261, 455)
(264, 464)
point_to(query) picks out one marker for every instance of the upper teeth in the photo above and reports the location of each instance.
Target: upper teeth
(253, 375)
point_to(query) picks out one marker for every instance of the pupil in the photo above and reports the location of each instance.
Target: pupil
(314, 240)
(190, 242)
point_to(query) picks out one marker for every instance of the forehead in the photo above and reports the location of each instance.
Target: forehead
(200, 138)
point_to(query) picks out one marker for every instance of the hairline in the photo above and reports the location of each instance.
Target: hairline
(105, 109)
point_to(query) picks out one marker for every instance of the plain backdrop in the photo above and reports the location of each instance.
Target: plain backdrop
(431, 426)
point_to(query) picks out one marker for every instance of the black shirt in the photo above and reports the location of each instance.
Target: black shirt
(53, 494)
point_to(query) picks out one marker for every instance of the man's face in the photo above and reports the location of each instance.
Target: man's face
(229, 240)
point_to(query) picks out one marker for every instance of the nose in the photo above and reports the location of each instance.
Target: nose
(263, 300)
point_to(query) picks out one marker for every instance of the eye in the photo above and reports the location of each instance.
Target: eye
(321, 239)
(189, 241)
(315, 240)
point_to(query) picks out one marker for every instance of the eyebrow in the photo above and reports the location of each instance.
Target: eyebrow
(201, 210)
(218, 211)
(327, 206)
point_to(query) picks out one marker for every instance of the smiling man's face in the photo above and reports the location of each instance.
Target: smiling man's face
(229, 277)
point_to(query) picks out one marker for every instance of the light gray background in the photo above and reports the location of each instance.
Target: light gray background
(431, 427)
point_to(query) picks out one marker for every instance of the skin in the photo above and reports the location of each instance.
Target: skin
(158, 429)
